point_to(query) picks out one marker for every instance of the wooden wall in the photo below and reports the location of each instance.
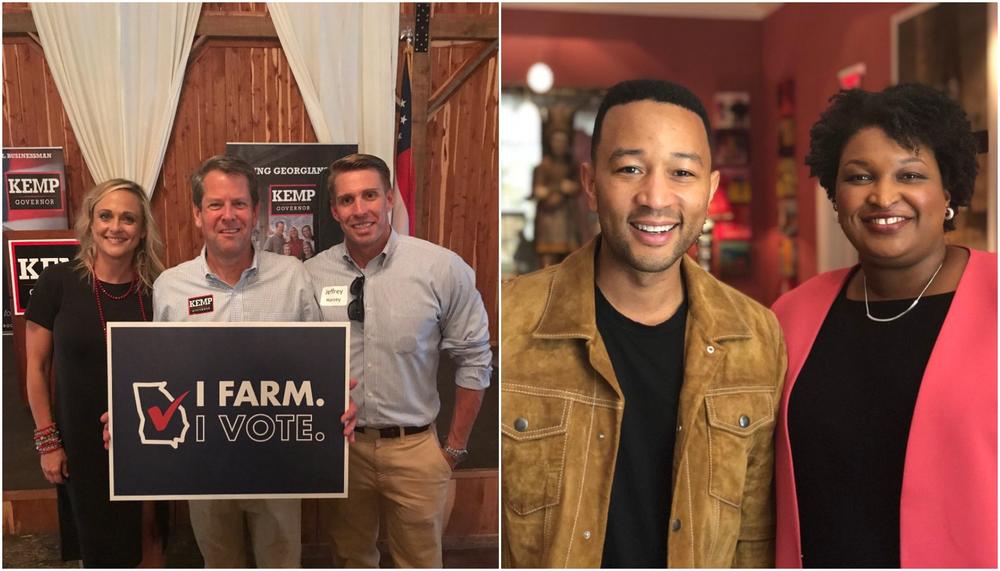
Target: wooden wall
(461, 209)
(234, 91)
(34, 116)
(241, 90)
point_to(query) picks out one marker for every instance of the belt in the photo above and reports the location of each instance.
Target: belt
(393, 431)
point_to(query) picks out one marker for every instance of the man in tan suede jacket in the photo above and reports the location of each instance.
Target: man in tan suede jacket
(639, 393)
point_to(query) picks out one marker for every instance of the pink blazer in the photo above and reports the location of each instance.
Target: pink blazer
(948, 507)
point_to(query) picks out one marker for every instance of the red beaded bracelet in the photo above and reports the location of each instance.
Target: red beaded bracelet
(48, 439)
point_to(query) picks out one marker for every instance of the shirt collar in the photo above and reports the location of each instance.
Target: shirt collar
(207, 272)
(570, 310)
(383, 256)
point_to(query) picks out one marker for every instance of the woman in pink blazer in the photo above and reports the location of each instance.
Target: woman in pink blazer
(886, 446)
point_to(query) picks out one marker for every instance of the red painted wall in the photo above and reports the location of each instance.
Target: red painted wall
(807, 42)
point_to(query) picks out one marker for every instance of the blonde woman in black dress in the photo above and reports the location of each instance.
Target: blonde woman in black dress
(110, 280)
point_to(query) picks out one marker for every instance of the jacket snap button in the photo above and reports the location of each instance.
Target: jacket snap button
(744, 421)
(586, 534)
(710, 349)
(676, 525)
(521, 424)
(600, 436)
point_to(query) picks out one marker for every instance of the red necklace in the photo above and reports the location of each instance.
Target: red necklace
(99, 289)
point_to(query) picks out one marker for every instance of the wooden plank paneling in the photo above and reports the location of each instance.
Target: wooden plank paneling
(460, 207)
(34, 115)
(223, 99)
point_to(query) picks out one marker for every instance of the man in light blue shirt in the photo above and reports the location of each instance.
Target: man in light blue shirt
(407, 300)
(231, 281)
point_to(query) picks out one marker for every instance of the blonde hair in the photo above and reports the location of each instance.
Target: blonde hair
(146, 261)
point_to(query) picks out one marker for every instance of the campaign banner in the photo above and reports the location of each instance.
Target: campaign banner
(227, 410)
(34, 183)
(28, 258)
(294, 215)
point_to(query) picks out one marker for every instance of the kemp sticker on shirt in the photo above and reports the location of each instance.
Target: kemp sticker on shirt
(201, 304)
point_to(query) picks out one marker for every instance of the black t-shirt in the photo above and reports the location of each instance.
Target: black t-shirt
(848, 421)
(649, 364)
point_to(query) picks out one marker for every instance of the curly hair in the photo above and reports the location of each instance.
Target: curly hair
(911, 114)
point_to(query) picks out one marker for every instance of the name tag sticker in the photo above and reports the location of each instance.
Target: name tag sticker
(334, 296)
(201, 304)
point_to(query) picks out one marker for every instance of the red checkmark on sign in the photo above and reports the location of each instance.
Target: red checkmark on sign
(161, 419)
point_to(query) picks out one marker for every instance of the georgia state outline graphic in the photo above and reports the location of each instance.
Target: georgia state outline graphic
(161, 436)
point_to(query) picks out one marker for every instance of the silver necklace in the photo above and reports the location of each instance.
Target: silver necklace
(907, 310)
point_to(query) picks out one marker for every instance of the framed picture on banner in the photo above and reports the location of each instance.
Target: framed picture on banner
(227, 410)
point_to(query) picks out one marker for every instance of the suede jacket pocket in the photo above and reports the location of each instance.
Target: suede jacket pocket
(533, 449)
(734, 417)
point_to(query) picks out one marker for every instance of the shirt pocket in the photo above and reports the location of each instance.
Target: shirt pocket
(412, 332)
(733, 418)
(533, 449)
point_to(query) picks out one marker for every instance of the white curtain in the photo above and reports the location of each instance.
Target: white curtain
(343, 57)
(119, 70)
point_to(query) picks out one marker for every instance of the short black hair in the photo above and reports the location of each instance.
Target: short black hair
(648, 89)
(911, 114)
(229, 165)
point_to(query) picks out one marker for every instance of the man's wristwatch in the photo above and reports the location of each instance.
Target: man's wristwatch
(458, 455)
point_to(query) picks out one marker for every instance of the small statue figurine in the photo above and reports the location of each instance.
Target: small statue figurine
(555, 189)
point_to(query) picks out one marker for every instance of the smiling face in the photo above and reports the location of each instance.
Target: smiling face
(226, 216)
(890, 200)
(117, 226)
(650, 183)
(362, 204)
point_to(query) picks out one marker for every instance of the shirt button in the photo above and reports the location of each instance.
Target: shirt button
(744, 421)
(676, 525)
(600, 436)
(586, 534)
(521, 424)
(679, 428)
(710, 349)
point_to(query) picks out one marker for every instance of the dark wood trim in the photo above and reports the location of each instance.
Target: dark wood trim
(259, 25)
(248, 25)
(465, 27)
(19, 23)
(440, 97)
(420, 90)
(242, 25)
(482, 27)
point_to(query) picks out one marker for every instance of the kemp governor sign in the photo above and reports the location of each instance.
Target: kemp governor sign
(28, 258)
(227, 410)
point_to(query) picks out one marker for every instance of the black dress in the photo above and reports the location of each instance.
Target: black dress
(848, 424)
(92, 528)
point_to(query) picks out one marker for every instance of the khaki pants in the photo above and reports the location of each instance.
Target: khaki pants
(401, 483)
(275, 531)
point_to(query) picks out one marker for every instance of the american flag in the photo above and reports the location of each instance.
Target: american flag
(405, 179)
